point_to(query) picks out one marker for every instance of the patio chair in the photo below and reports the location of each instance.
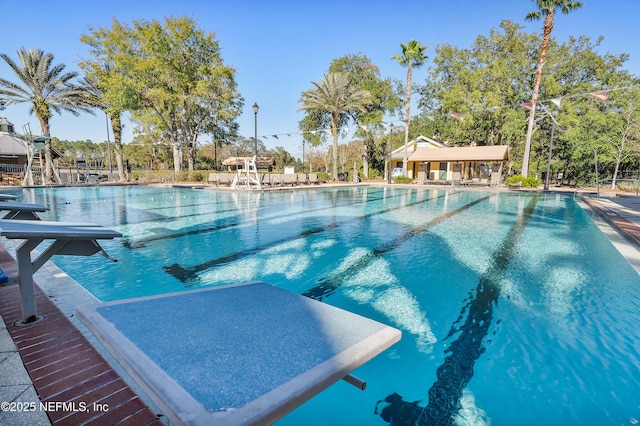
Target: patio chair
(225, 179)
(313, 178)
(213, 178)
(302, 178)
(92, 178)
(289, 179)
(276, 179)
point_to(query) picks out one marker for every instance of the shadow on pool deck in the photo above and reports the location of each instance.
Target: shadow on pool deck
(622, 213)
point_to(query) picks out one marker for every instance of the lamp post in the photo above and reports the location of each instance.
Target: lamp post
(389, 147)
(106, 117)
(255, 129)
(553, 114)
(595, 153)
(302, 155)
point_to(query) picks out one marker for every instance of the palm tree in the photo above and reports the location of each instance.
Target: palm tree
(337, 97)
(546, 8)
(48, 89)
(412, 56)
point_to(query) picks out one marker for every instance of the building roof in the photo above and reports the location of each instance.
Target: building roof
(472, 153)
(11, 146)
(417, 143)
(239, 161)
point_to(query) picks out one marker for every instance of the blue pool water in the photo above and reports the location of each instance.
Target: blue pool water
(514, 308)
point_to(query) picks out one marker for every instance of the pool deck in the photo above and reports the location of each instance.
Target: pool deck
(622, 213)
(53, 361)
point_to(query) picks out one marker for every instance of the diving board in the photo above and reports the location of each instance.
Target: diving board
(234, 355)
(67, 238)
(8, 197)
(25, 211)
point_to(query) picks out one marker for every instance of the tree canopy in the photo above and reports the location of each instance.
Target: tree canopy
(170, 75)
(48, 89)
(335, 98)
(486, 86)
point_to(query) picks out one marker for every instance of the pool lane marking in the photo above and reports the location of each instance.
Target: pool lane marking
(187, 274)
(457, 370)
(327, 286)
(142, 242)
(191, 273)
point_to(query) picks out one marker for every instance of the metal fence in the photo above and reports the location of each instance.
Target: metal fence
(13, 174)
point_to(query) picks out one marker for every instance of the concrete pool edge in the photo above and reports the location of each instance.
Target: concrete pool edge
(624, 234)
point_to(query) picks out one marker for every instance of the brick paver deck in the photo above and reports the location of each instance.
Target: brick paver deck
(66, 368)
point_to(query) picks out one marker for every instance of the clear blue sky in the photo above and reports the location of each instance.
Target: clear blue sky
(279, 47)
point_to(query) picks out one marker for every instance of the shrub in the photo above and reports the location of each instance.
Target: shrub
(527, 182)
(402, 179)
(373, 174)
(626, 186)
(324, 177)
(198, 175)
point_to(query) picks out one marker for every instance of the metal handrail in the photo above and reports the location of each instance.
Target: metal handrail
(597, 184)
(600, 183)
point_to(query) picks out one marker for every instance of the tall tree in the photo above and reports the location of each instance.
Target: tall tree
(98, 99)
(412, 57)
(487, 82)
(546, 9)
(335, 97)
(111, 50)
(481, 82)
(169, 75)
(195, 92)
(48, 88)
(384, 100)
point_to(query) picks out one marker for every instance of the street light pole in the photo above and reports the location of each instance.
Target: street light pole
(389, 147)
(595, 153)
(106, 117)
(255, 129)
(553, 128)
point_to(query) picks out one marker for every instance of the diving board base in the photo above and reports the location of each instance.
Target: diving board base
(243, 354)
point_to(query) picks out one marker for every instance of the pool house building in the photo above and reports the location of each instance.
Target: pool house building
(429, 160)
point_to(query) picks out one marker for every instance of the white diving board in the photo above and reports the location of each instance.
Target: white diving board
(243, 354)
(68, 238)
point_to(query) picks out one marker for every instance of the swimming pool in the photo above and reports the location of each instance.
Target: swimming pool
(514, 307)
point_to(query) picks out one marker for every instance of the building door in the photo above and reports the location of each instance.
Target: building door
(442, 173)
